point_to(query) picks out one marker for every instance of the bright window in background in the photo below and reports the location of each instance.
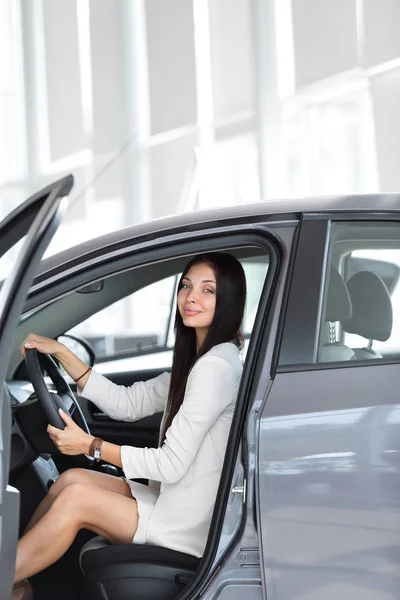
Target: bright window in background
(328, 143)
(228, 172)
(12, 122)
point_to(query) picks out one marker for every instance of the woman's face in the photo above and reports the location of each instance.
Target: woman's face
(197, 297)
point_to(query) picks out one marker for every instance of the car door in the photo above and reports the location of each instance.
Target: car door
(328, 468)
(36, 220)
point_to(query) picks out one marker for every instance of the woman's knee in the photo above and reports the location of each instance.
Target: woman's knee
(65, 479)
(73, 497)
(71, 506)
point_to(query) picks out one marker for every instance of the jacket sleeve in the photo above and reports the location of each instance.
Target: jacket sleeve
(210, 389)
(140, 400)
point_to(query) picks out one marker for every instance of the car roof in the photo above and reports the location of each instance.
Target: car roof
(282, 209)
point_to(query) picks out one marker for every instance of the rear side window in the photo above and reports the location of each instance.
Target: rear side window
(360, 309)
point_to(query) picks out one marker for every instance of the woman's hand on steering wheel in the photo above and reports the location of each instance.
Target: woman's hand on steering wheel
(76, 369)
(72, 440)
(43, 344)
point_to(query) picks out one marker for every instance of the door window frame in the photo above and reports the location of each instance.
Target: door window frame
(300, 330)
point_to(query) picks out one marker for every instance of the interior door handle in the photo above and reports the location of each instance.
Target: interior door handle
(97, 414)
(100, 416)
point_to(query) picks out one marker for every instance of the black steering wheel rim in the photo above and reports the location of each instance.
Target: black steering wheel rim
(50, 402)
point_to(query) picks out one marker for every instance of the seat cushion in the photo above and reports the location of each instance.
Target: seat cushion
(133, 571)
(366, 353)
(335, 352)
(98, 553)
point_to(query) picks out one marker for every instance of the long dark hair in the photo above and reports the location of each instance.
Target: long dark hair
(225, 326)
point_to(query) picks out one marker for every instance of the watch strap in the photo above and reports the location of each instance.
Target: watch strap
(95, 448)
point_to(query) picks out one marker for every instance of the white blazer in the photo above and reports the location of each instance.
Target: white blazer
(175, 510)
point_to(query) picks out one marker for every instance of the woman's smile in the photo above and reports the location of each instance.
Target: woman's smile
(190, 312)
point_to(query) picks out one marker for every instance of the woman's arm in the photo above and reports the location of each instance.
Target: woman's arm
(119, 402)
(142, 399)
(211, 388)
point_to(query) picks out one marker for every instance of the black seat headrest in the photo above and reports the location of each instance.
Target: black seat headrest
(338, 303)
(372, 316)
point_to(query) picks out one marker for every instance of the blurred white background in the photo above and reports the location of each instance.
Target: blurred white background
(162, 106)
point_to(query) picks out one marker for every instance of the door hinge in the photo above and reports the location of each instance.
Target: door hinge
(240, 489)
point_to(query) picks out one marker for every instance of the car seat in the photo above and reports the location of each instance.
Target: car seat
(133, 571)
(372, 316)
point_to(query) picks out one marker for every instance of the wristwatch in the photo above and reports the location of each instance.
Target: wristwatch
(97, 451)
(95, 448)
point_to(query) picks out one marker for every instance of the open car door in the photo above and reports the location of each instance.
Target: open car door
(37, 219)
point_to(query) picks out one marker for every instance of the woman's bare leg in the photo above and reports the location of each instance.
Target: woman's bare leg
(78, 506)
(101, 480)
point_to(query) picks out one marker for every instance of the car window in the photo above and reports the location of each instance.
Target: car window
(9, 258)
(255, 276)
(135, 324)
(361, 301)
(144, 321)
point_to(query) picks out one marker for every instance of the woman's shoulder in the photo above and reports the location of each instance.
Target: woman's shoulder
(228, 352)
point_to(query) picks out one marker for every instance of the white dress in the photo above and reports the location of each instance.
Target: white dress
(175, 510)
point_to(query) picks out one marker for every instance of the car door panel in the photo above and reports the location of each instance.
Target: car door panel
(329, 473)
(142, 433)
(37, 219)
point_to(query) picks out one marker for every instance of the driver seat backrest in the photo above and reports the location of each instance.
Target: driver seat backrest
(133, 571)
(372, 316)
(338, 307)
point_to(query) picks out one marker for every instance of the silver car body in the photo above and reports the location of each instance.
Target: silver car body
(309, 504)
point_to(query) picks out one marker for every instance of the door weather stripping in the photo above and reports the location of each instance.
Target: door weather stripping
(240, 489)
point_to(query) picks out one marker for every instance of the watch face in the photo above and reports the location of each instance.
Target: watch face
(97, 453)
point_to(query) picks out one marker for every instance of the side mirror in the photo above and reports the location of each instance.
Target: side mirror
(78, 346)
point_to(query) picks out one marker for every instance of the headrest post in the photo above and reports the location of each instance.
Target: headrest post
(332, 332)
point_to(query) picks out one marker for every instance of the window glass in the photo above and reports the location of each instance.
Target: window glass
(145, 320)
(134, 324)
(9, 258)
(255, 277)
(361, 304)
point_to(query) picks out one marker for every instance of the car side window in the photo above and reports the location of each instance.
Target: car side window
(256, 273)
(135, 324)
(361, 300)
(144, 321)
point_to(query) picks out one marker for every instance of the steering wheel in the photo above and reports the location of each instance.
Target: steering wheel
(62, 398)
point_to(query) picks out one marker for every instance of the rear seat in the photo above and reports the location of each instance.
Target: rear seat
(372, 316)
